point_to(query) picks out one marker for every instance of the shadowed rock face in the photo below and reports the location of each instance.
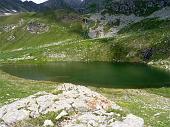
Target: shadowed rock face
(61, 4)
(147, 54)
(137, 7)
(111, 6)
(54, 4)
(143, 7)
(90, 108)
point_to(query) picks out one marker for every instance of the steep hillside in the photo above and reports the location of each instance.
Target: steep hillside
(65, 35)
(55, 4)
(34, 29)
(62, 36)
(62, 4)
(104, 25)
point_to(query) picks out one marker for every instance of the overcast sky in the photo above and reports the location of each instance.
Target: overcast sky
(36, 1)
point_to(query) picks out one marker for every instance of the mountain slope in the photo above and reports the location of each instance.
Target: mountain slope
(137, 7)
(62, 36)
(62, 4)
(13, 6)
(32, 29)
(144, 7)
(55, 4)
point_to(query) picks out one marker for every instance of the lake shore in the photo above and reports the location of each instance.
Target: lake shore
(131, 100)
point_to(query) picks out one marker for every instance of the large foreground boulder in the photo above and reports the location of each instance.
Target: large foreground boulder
(90, 109)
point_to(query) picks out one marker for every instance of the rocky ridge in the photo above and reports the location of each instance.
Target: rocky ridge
(106, 25)
(85, 6)
(76, 105)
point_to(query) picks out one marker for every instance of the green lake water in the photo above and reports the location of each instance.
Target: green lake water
(99, 74)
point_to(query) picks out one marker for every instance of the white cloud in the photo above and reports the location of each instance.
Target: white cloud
(36, 1)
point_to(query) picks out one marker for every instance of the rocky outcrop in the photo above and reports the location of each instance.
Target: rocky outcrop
(109, 25)
(11, 27)
(90, 109)
(8, 28)
(147, 54)
(162, 63)
(102, 119)
(144, 7)
(11, 38)
(105, 25)
(36, 27)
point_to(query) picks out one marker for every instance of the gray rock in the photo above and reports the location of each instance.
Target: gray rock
(16, 115)
(62, 114)
(11, 37)
(36, 27)
(2, 124)
(89, 107)
(48, 123)
(129, 121)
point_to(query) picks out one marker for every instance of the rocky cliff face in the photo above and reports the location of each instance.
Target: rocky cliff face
(105, 25)
(143, 7)
(61, 4)
(54, 4)
(137, 7)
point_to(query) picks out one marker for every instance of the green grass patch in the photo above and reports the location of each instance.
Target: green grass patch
(165, 92)
(12, 88)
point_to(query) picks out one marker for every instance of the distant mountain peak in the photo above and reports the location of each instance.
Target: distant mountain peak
(137, 7)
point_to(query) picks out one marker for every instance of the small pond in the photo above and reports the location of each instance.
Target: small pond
(99, 74)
